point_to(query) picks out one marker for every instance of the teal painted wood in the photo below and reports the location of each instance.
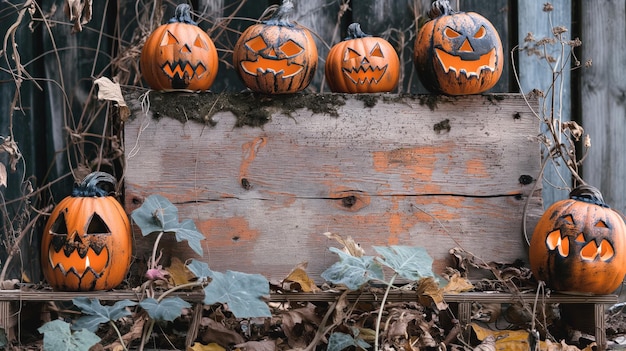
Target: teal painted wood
(534, 73)
(603, 97)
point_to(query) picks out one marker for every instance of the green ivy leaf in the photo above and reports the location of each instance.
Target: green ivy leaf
(168, 309)
(242, 292)
(351, 271)
(57, 336)
(158, 214)
(409, 262)
(339, 341)
(98, 314)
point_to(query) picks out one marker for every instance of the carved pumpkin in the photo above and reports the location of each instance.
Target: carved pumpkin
(276, 56)
(458, 53)
(179, 55)
(362, 64)
(579, 244)
(86, 243)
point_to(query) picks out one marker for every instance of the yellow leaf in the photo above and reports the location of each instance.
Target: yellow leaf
(429, 288)
(210, 347)
(457, 284)
(299, 275)
(179, 273)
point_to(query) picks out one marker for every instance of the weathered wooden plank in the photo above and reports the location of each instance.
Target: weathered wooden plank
(603, 99)
(397, 172)
(535, 73)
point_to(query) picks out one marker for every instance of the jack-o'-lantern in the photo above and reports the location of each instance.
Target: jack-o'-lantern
(362, 64)
(179, 55)
(86, 243)
(458, 53)
(579, 244)
(276, 56)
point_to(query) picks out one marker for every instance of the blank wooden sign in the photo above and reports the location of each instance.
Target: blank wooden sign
(265, 182)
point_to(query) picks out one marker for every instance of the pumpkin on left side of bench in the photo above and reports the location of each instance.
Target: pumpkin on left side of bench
(87, 243)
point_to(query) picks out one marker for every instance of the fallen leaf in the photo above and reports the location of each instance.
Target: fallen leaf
(299, 276)
(457, 284)
(218, 333)
(111, 91)
(179, 273)
(265, 345)
(210, 347)
(429, 288)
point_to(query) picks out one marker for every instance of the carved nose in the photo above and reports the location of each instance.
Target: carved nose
(466, 46)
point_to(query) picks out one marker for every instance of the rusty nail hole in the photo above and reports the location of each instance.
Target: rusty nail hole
(246, 184)
(348, 201)
(525, 179)
(518, 197)
(235, 238)
(517, 115)
(136, 201)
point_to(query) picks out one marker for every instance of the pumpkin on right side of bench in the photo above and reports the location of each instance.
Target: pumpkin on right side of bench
(457, 53)
(579, 244)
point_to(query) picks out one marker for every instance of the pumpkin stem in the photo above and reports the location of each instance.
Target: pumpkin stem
(355, 32)
(182, 14)
(282, 16)
(89, 186)
(589, 194)
(440, 8)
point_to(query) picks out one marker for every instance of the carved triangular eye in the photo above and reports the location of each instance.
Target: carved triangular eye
(199, 43)
(601, 224)
(377, 52)
(451, 33)
(480, 33)
(169, 39)
(59, 227)
(256, 44)
(351, 54)
(97, 226)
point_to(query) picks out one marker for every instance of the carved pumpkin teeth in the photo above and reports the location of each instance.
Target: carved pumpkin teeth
(59, 262)
(365, 74)
(274, 66)
(471, 68)
(183, 70)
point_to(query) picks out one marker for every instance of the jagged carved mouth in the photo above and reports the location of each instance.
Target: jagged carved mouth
(470, 68)
(269, 65)
(183, 70)
(365, 74)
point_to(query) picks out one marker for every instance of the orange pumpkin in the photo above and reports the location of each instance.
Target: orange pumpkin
(579, 245)
(276, 56)
(362, 64)
(458, 53)
(179, 55)
(86, 244)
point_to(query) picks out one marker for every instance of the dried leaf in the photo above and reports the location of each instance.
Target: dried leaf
(349, 245)
(111, 91)
(428, 288)
(299, 276)
(3, 174)
(10, 147)
(488, 344)
(265, 345)
(78, 11)
(457, 284)
(179, 273)
(216, 332)
(210, 347)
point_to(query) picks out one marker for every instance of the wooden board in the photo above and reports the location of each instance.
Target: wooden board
(437, 172)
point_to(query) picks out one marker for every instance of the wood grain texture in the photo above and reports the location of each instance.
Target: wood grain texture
(396, 173)
(603, 98)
